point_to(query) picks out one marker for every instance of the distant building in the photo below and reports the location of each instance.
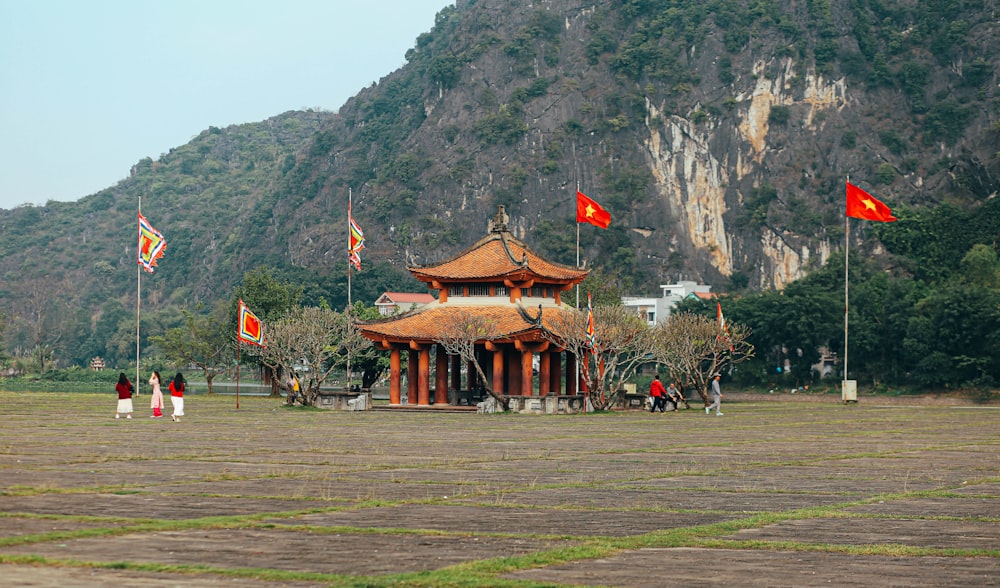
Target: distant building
(390, 303)
(655, 310)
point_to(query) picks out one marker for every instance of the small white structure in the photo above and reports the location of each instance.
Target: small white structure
(655, 310)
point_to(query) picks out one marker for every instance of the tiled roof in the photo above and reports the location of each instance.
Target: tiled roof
(496, 256)
(424, 325)
(403, 297)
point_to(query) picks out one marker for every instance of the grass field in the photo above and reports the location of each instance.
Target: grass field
(774, 493)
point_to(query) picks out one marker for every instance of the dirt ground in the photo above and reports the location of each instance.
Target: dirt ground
(783, 490)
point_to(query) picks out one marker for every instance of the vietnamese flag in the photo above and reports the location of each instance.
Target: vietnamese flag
(861, 204)
(588, 211)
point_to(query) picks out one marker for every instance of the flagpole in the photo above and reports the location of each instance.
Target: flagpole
(237, 365)
(847, 257)
(138, 298)
(581, 365)
(350, 201)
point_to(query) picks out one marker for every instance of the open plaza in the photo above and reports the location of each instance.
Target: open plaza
(783, 491)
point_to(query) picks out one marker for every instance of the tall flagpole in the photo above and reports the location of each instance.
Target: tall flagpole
(350, 199)
(847, 257)
(138, 298)
(577, 245)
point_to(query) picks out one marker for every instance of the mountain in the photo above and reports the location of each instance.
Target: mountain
(719, 134)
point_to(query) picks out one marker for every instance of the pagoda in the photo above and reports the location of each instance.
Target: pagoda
(502, 280)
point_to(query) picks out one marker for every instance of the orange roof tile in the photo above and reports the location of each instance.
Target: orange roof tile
(496, 256)
(424, 325)
(398, 297)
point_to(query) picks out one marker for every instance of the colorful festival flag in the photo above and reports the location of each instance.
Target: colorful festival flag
(861, 204)
(591, 332)
(355, 241)
(723, 325)
(249, 328)
(588, 211)
(151, 244)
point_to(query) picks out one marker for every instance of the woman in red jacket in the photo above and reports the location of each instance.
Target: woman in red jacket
(177, 396)
(124, 390)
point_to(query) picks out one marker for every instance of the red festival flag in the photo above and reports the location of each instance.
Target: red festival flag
(588, 211)
(861, 204)
(151, 244)
(250, 329)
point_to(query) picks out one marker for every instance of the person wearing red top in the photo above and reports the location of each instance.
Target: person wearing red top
(177, 396)
(659, 394)
(124, 389)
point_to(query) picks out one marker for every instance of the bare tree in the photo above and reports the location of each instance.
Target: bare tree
(460, 333)
(623, 342)
(693, 347)
(315, 336)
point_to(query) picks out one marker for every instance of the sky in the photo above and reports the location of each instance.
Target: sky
(90, 87)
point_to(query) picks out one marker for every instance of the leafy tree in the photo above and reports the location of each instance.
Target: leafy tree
(203, 341)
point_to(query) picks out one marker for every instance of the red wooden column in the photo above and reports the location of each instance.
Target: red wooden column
(555, 372)
(513, 362)
(544, 377)
(394, 375)
(497, 350)
(571, 374)
(527, 388)
(423, 374)
(456, 372)
(411, 376)
(441, 376)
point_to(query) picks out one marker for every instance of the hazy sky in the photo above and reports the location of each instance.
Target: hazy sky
(90, 87)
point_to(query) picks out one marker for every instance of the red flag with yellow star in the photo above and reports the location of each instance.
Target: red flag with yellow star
(861, 204)
(588, 211)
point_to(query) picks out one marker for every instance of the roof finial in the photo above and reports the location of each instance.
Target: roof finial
(500, 220)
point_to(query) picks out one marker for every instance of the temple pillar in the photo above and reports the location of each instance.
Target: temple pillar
(412, 370)
(394, 375)
(441, 375)
(513, 362)
(527, 389)
(456, 372)
(571, 377)
(498, 370)
(543, 373)
(555, 372)
(424, 379)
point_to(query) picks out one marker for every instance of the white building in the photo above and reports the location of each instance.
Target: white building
(655, 310)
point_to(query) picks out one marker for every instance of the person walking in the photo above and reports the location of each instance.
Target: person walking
(716, 396)
(156, 402)
(124, 389)
(177, 396)
(658, 393)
